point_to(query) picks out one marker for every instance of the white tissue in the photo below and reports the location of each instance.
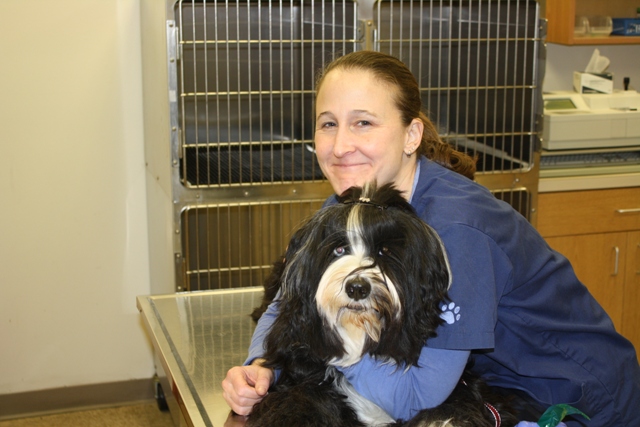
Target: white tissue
(597, 63)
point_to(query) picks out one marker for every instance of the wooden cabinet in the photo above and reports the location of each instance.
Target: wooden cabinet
(561, 15)
(599, 232)
(594, 257)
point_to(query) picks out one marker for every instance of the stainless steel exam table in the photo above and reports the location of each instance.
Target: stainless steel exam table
(198, 336)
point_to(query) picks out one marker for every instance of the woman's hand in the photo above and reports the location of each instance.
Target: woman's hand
(245, 386)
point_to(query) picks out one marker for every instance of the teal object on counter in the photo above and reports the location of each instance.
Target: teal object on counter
(555, 414)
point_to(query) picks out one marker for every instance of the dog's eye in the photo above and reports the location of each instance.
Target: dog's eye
(383, 251)
(339, 251)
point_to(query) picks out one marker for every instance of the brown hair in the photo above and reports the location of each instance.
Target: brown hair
(395, 73)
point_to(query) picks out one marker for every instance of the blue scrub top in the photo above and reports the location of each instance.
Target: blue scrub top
(519, 305)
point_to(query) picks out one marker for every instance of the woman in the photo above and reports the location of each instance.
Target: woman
(517, 309)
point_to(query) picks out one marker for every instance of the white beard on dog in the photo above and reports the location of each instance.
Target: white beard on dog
(349, 292)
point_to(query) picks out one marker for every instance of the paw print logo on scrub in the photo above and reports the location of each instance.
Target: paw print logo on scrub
(450, 313)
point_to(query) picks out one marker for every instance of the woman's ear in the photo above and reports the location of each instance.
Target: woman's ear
(414, 136)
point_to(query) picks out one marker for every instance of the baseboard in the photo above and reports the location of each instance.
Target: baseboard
(65, 399)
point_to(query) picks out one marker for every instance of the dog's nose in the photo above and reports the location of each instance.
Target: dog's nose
(358, 289)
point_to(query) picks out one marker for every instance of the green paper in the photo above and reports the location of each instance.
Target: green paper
(556, 413)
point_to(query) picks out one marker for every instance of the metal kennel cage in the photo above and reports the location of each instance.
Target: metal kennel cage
(229, 98)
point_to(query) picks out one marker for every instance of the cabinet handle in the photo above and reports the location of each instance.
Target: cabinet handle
(615, 267)
(637, 247)
(624, 211)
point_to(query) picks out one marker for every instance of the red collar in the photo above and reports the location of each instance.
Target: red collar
(495, 413)
(492, 409)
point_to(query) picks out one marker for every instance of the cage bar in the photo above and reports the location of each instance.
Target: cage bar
(245, 94)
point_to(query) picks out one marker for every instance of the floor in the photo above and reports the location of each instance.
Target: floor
(136, 415)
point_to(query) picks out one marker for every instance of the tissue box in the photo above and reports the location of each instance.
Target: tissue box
(626, 26)
(592, 82)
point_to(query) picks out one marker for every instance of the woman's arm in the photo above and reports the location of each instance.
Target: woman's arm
(402, 393)
(246, 385)
(256, 348)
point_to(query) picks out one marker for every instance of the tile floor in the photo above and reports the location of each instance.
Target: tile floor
(144, 414)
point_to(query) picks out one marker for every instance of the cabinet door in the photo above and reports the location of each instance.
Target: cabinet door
(599, 263)
(631, 304)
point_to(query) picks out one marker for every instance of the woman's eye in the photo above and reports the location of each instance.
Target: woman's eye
(364, 123)
(339, 251)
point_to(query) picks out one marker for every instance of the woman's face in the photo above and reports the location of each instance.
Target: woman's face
(360, 135)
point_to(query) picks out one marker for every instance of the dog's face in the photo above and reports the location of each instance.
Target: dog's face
(357, 294)
(363, 276)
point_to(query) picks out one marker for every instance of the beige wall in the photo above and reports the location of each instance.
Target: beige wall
(73, 230)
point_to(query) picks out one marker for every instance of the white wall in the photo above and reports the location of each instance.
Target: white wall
(73, 229)
(562, 61)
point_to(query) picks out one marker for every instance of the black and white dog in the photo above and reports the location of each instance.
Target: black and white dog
(364, 276)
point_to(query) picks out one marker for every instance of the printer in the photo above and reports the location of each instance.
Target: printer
(582, 121)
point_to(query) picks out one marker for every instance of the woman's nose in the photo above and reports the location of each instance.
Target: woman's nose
(343, 143)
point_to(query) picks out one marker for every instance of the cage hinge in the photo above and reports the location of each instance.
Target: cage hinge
(178, 46)
(542, 25)
(181, 272)
(180, 144)
(367, 34)
(173, 44)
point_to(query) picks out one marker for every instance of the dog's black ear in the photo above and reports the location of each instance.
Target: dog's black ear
(273, 282)
(299, 326)
(298, 323)
(434, 279)
(421, 272)
(271, 287)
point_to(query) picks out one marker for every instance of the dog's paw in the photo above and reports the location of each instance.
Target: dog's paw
(450, 313)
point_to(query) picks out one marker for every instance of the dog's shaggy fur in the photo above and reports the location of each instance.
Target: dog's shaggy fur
(364, 276)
